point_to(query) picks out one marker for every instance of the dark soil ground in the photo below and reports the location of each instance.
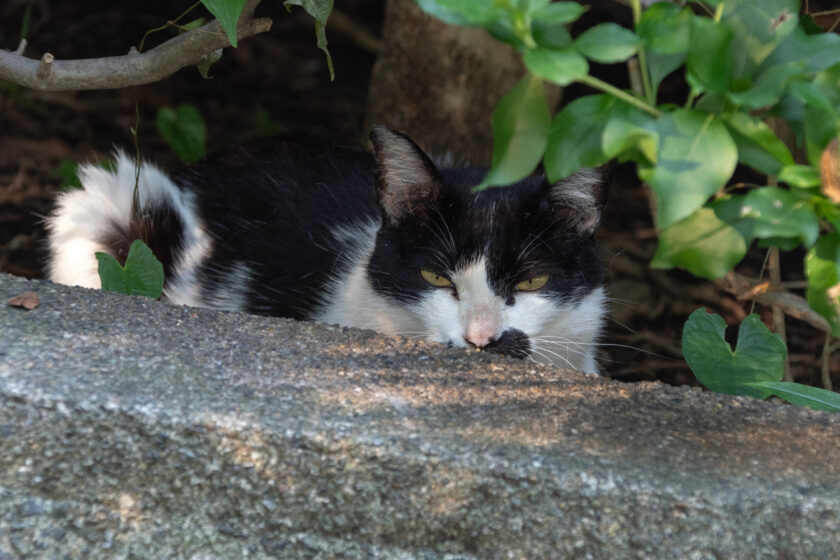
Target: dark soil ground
(278, 82)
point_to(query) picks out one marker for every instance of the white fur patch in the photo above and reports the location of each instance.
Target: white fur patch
(350, 299)
(83, 217)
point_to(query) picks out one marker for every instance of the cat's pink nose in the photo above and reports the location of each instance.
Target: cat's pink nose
(480, 335)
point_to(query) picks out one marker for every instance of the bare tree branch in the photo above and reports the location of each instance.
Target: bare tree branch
(48, 74)
(792, 304)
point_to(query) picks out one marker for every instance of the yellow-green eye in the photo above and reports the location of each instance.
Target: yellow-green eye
(532, 284)
(435, 279)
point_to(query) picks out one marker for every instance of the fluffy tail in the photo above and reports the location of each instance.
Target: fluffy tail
(99, 217)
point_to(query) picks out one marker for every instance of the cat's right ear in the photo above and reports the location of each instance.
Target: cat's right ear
(407, 182)
(578, 200)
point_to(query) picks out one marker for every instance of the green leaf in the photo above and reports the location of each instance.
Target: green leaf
(800, 176)
(630, 128)
(759, 354)
(520, 128)
(142, 274)
(207, 61)
(822, 265)
(696, 158)
(758, 26)
(227, 12)
(802, 395)
(660, 65)
(703, 244)
(819, 51)
(320, 10)
(558, 12)
(769, 87)
(550, 35)
(758, 146)
(665, 27)
(184, 130)
(561, 66)
(781, 213)
(575, 137)
(607, 43)
(709, 62)
(462, 12)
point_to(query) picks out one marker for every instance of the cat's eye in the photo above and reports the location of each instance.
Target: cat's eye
(532, 284)
(435, 279)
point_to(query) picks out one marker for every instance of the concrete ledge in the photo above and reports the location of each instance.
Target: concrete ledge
(135, 429)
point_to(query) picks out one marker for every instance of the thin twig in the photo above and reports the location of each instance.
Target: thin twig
(792, 304)
(774, 268)
(131, 69)
(826, 370)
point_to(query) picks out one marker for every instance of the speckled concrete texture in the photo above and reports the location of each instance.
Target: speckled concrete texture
(131, 428)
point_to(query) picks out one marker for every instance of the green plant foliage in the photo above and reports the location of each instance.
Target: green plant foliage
(320, 10)
(575, 137)
(782, 214)
(801, 395)
(227, 12)
(68, 172)
(745, 62)
(142, 274)
(520, 129)
(696, 158)
(703, 244)
(184, 130)
(607, 43)
(561, 66)
(758, 146)
(709, 66)
(822, 265)
(759, 354)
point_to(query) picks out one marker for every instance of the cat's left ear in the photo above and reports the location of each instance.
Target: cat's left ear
(407, 182)
(579, 199)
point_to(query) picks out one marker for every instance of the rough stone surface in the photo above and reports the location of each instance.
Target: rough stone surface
(135, 429)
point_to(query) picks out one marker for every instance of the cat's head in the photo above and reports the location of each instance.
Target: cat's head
(514, 270)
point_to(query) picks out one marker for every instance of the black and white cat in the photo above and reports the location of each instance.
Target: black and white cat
(388, 242)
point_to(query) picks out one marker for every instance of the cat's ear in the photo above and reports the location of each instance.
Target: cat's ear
(579, 199)
(407, 182)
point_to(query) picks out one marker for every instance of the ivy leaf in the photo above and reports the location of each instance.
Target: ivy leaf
(320, 10)
(607, 43)
(696, 158)
(184, 130)
(520, 128)
(575, 137)
(822, 265)
(703, 244)
(759, 354)
(227, 12)
(802, 395)
(781, 214)
(142, 274)
(758, 146)
(561, 66)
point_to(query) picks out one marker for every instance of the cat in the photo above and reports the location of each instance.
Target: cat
(385, 241)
